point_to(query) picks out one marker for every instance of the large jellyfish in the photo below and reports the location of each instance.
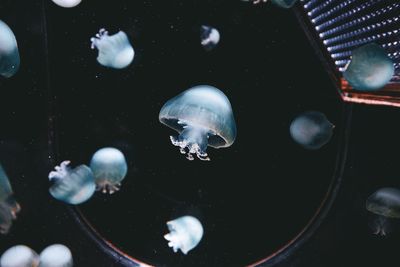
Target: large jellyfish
(8, 206)
(19, 256)
(185, 233)
(384, 205)
(109, 169)
(67, 3)
(203, 117)
(209, 37)
(56, 255)
(9, 55)
(115, 51)
(370, 68)
(73, 186)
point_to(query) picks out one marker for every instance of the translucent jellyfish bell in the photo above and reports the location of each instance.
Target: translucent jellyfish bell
(109, 168)
(209, 37)
(115, 51)
(19, 256)
(67, 3)
(370, 68)
(185, 233)
(73, 186)
(9, 55)
(203, 117)
(8, 206)
(56, 255)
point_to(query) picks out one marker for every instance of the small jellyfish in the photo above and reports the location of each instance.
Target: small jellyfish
(203, 117)
(9, 55)
(185, 233)
(311, 130)
(56, 255)
(19, 256)
(8, 206)
(209, 37)
(73, 186)
(115, 51)
(384, 204)
(369, 69)
(109, 168)
(67, 3)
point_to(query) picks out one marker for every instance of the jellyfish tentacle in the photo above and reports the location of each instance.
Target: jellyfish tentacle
(60, 171)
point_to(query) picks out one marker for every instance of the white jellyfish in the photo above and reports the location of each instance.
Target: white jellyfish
(67, 3)
(209, 37)
(109, 168)
(8, 206)
(185, 233)
(9, 55)
(73, 186)
(115, 51)
(56, 255)
(19, 256)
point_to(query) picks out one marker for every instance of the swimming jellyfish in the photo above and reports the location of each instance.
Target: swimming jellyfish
(9, 55)
(73, 186)
(19, 256)
(8, 206)
(109, 168)
(56, 255)
(311, 130)
(209, 37)
(115, 51)
(384, 204)
(185, 233)
(202, 115)
(369, 69)
(67, 3)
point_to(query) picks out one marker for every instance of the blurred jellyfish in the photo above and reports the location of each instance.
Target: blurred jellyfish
(185, 233)
(115, 51)
(109, 169)
(56, 255)
(384, 204)
(9, 55)
(203, 117)
(369, 69)
(311, 130)
(209, 37)
(73, 186)
(67, 3)
(8, 206)
(19, 256)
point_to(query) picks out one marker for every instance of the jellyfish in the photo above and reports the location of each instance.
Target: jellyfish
(8, 206)
(185, 233)
(202, 115)
(369, 69)
(280, 3)
(384, 205)
(115, 51)
(72, 186)
(19, 256)
(209, 37)
(311, 130)
(109, 169)
(67, 3)
(9, 55)
(56, 255)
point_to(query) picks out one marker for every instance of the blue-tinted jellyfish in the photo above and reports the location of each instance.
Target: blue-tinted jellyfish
(9, 55)
(115, 51)
(72, 186)
(67, 3)
(209, 37)
(184, 234)
(203, 117)
(369, 69)
(19, 256)
(109, 168)
(56, 255)
(384, 205)
(311, 130)
(8, 206)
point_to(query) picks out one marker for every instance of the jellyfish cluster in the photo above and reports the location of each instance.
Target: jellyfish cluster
(9, 54)
(8, 205)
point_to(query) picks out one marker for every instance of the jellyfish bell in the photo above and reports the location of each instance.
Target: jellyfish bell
(209, 37)
(203, 117)
(9, 55)
(19, 256)
(72, 186)
(115, 51)
(369, 69)
(56, 255)
(67, 3)
(8, 205)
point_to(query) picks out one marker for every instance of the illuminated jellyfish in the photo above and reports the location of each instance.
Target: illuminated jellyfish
(19, 256)
(67, 3)
(384, 205)
(209, 37)
(311, 130)
(73, 186)
(56, 255)
(203, 117)
(184, 234)
(109, 168)
(8, 206)
(280, 3)
(115, 51)
(369, 69)
(9, 55)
